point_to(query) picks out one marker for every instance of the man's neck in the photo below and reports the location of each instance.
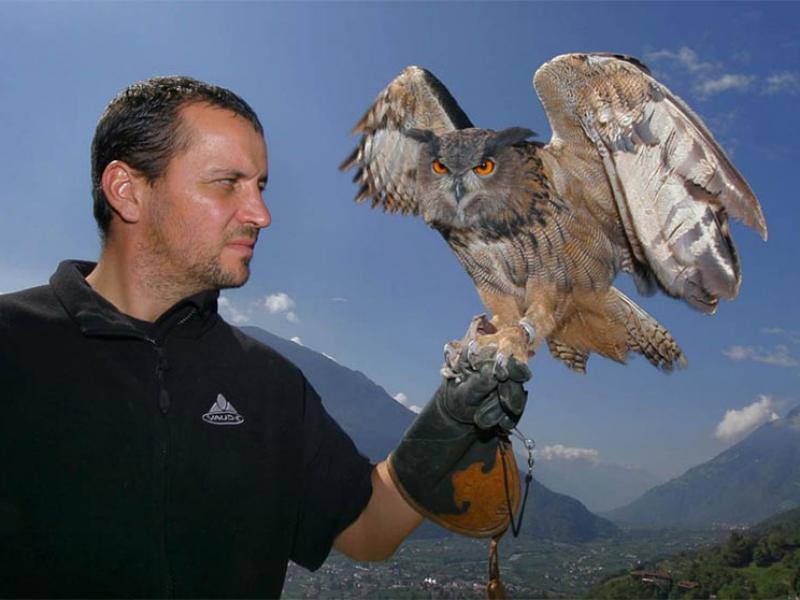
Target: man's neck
(132, 287)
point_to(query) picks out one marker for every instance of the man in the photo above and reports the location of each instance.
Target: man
(153, 450)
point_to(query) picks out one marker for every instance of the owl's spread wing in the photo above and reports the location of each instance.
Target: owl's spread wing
(387, 158)
(673, 186)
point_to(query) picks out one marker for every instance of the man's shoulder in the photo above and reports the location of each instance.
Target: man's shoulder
(261, 350)
(32, 304)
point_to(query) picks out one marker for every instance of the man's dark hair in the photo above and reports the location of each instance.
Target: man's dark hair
(142, 127)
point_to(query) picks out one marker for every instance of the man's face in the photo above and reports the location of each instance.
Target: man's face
(204, 213)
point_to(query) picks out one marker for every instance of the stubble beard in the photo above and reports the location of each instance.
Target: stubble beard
(179, 272)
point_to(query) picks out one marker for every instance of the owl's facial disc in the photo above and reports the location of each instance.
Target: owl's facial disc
(460, 168)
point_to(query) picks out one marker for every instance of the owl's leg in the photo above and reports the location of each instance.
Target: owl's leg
(510, 336)
(505, 308)
(539, 320)
(520, 332)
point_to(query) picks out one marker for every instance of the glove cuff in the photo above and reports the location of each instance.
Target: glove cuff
(480, 495)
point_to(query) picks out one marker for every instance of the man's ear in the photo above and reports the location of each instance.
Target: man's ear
(123, 186)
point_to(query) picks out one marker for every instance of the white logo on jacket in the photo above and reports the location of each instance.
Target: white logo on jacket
(222, 413)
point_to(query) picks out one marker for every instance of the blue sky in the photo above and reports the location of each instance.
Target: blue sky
(383, 293)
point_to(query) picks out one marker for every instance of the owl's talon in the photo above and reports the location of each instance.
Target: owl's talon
(499, 370)
(452, 356)
(447, 372)
(530, 331)
(472, 352)
(450, 353)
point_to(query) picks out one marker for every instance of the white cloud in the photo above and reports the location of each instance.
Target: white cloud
(736, 424)
(791, 335)
(778, 356)
(339, 299)
(281, 303)
(297, 341)
(278, 303)
(234, 314)
(403, 399)
(729, 81)
(685, 56)
(565, 452)
(786, 81)
(708, 78)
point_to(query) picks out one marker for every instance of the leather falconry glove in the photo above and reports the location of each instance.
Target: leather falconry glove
(455, 464)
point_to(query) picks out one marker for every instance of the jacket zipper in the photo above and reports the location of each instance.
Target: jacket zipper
(163, 402)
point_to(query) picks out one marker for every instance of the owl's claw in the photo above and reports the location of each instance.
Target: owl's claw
(530, 331)
(500, 370)
(452, 351)
(479, 350)
(472, 353)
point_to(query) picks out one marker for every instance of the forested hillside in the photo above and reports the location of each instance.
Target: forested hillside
(762, 562)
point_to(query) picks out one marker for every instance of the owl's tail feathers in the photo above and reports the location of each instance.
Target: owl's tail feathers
(613, 326)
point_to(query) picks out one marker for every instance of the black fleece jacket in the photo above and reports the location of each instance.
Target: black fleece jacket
(181, 458)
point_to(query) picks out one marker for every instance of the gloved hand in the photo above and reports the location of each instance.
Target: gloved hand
(487, 390)
(449, 464)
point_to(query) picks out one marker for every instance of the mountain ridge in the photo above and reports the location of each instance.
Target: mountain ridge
(755, 478)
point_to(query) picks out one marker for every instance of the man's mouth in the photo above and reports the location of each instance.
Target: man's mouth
(242, 245)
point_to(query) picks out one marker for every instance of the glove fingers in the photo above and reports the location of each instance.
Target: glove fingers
(507, 423)
(518, 371)
(512, 397)
(477, 381)
(489, 413)
(473, 389)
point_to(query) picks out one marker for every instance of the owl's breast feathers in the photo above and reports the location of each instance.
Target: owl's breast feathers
(535, 236)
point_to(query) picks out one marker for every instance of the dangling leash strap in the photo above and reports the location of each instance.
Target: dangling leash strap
(529, 446)
(495, 589)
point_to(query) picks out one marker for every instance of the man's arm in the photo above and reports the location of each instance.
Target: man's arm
(385, 522)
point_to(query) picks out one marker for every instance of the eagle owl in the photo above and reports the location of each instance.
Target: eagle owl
(631, 180)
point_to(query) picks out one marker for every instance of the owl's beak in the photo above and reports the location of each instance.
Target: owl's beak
(458, 189)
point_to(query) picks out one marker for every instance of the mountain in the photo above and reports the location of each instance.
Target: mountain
(748, 482)
(376, 422)
(600, 485)
(374, 419)
(559, 517)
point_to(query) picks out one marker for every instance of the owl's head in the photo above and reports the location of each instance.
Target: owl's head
(466, 178)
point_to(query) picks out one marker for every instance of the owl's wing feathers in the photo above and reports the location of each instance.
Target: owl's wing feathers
(672, 184)
(387, 158)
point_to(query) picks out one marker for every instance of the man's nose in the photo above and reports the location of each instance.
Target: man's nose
(254, 210)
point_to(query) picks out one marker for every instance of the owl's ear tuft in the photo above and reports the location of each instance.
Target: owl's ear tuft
(425, 136)
(507, 137)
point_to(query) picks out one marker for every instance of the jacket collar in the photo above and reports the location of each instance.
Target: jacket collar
(97, 317)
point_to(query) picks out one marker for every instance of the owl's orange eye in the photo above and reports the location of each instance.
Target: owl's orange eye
(439, 168)
(485, 168)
